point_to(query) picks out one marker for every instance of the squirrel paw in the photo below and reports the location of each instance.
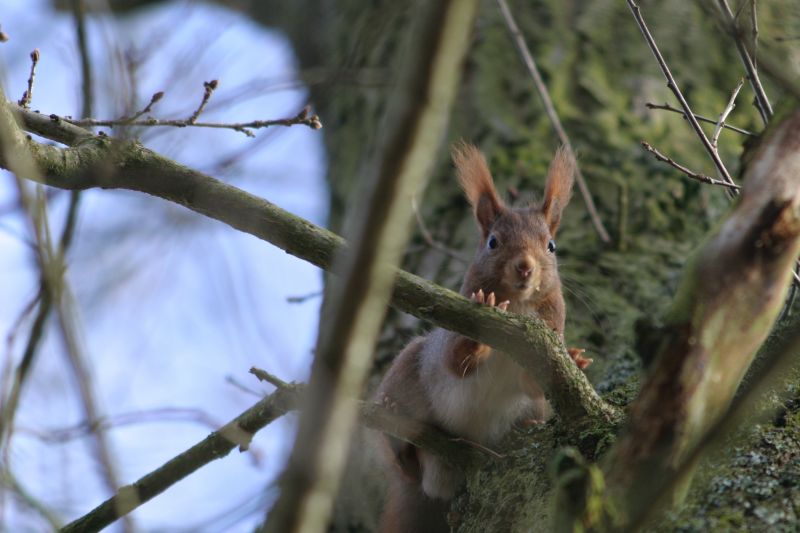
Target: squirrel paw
(387, 402)
(489, 299)
(577, 355)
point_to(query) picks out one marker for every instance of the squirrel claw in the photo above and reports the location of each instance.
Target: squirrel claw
(489, 299)
(577, 355)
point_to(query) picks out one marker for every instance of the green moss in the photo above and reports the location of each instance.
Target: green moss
(753, 484)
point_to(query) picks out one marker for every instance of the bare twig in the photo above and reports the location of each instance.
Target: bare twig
(550, 110)
(164, 414)
(140, 169)
(302, 118)
(240, 431)
(428, 238)
(724, 115)
(208, 89)
(10, 481)
(762, 102)
(714, 328)
(673, 86)
(25, 101)
(52, 271)
(263, 375)
(694, 175)
(153, 99)
(302, 298)
(701, 118)
(754, 22)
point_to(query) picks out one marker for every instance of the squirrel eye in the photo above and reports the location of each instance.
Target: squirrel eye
(551, 246)
(492, 242)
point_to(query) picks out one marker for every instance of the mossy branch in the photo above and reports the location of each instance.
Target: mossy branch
(95, 161)
(732, 290)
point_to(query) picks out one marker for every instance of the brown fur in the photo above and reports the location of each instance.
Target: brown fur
(558, 189)
(440, 379)
(477, 184)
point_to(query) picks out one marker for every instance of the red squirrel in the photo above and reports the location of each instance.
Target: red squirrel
(456, 383)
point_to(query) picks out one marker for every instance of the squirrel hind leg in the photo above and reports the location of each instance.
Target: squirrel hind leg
(408, 510)
(406, 459)
(439, 480)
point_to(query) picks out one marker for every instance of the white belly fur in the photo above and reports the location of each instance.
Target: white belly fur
(482, 406)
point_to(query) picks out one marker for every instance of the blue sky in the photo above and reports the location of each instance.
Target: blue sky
(171, 305)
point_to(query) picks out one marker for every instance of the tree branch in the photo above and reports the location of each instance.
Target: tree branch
(240, 431)
(732, 290)
(218, 444)
(550, 111)
(673, 86)
(762, 102)
(694, 175)
(414, 127)
(701, 118)
(97, 161)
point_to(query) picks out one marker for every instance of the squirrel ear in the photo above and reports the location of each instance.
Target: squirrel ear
(477, 183)
(558, 189)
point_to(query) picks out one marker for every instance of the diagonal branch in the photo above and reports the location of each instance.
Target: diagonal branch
(701, 118)
(240, 431)
(414, 128)
(731, 292)
(550, 110)
(762, 102)
(673, 86)
(129, 165)
(690, 173)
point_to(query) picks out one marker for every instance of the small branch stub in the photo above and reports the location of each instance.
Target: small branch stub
(25, 101)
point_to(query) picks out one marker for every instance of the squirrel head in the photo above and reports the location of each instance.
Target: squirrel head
(516, 256)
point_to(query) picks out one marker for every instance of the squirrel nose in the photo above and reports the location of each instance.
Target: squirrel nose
(524, 268)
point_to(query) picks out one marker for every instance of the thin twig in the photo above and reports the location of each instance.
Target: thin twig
(762, 102)
(302, 118)
(10, 481)
(302, 298)
(754, 22)
(240, 431)
(380, 230)
(673, 86)
(153, 99)
(694, 175)
(701, 118)
(263, 375)
(208, 89)
(428, 238)
(25, 101)
(52, 271)
(550, 110)
(724, 115)
(142, 170)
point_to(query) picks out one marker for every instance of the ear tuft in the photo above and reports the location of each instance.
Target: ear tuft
(477, 183)
(558, 189)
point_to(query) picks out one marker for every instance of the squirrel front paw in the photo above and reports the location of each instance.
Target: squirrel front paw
(489, 300)
(387, 402)
(577, 355)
